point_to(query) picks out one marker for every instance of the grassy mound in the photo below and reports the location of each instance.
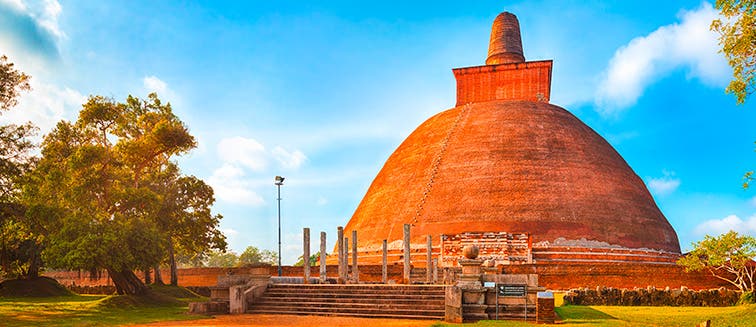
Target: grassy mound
(156, 296)
(38, 287)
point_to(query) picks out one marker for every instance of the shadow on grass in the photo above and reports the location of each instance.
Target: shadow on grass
(577, 314)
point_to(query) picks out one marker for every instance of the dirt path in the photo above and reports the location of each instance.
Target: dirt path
(283, 320)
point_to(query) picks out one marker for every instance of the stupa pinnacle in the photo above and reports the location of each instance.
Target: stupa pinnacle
(506, 44)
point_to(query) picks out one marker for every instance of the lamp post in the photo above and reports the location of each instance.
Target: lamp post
(279, 182)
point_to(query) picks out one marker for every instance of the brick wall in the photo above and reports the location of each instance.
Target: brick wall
(562, 276)
(529, 81)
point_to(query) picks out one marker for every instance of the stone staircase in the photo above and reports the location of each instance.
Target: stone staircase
(376, 301)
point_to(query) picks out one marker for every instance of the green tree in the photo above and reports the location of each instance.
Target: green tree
(185, 216)
(728, 257)
(737, 36)
(254, 256)
(221, 259)
(12, 82)
(313, 260)
(87, 191)
(19, 245)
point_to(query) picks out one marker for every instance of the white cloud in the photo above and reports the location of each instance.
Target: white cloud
(29, 32)
(322, 201)
(289, 160)
(45, 105)
(154, 84)
(229, 232)
(726, 224)
(663, 185)
(243, 151)
(688, 44)
(243, 157)
(229, 185)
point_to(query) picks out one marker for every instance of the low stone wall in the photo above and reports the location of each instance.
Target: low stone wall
(561, 276)
(652, 297)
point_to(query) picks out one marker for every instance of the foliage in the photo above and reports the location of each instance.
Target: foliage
(313, 260)
(19, 245)
(728, 257)
(91, 195)
(254, 256)
(12, 82)
(737, 36)
(221, 259)
(747, 297)
(185, 216)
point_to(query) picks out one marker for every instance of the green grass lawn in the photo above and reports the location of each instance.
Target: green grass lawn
(89, 310)
(573, 315)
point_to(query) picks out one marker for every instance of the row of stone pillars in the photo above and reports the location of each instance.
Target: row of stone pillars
(343, 258)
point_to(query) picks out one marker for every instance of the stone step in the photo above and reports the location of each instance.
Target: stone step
(359, 287)
(355, 291)
(383, 306)
(357, 296)
(342, 310)
(362, 315)
(390, 301)
(401, 300)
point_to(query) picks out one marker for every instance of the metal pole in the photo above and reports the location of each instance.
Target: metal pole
(280, 272)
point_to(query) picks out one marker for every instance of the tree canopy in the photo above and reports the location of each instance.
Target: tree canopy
(737, 36)
(12, 82)
(106, 194)
(19, 245)
(728, 257)
(255, 256)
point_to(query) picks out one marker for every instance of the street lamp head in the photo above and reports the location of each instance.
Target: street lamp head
(279, 180)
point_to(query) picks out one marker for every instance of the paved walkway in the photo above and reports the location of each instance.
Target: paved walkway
(286, 320)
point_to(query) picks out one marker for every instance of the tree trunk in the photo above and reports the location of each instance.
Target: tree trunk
(126, 282)
(158, 276)
(174, 269)
(34, 264)
(147, 276)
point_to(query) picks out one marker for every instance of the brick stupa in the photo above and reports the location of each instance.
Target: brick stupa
(505, 159)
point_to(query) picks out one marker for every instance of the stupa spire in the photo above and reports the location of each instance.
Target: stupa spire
(505, 45)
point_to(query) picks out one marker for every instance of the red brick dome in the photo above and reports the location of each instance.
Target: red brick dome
(504, 160)
(514, 166)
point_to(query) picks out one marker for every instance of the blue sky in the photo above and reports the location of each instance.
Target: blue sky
(322, 93)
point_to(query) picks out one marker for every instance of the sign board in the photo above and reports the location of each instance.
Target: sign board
(512, 290)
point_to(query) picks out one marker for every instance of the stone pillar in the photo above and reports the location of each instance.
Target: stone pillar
(435, 271)
(306, 254)
(322, 257)
(346, 259)
(429, 261)
(237, 299)
(407, 253)
(340, 242)
(355, 271)
(453, 304)
(384, 268)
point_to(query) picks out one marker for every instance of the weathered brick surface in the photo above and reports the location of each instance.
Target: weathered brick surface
(562, 276)
(530, 81)
(505, 45)
(565, 276)
(512, 166)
